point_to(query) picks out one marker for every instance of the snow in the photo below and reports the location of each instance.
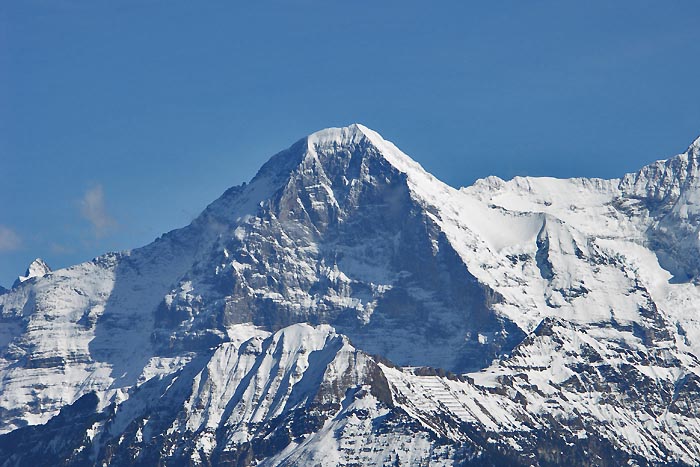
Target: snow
(589, 270)
(37, 268)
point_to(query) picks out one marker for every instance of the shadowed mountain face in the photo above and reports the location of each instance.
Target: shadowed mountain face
(669, 193)
(540, 321)
(343, 241)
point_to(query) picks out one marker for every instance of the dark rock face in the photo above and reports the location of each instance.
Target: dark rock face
(667, 192)
(344, 242)
(61, 441)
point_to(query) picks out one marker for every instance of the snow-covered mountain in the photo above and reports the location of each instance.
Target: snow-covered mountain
(347, 308)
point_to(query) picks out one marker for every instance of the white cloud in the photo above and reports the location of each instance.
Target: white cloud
(9, 240)
(92, 208)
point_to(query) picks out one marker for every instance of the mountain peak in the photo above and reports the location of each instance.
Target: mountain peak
(343, 136)
(537, 287)
(36, 268)
(334, 142)
(694, 146)
(357, 133)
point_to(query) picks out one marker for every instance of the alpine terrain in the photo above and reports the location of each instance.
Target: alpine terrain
(347, 308)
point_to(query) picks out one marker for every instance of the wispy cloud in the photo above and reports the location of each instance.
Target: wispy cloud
(92, 208)
(9, 240)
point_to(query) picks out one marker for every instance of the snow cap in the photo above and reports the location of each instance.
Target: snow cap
(37, 268)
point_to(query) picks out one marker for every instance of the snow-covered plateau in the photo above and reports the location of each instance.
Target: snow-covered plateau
(347, 308)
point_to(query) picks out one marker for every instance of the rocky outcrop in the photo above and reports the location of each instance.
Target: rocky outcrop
(347, 308)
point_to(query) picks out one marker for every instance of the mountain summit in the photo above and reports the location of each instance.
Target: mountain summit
(341, 229)
(37, 268)
(345, 307)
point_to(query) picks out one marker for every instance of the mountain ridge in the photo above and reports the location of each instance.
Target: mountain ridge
(547, 302)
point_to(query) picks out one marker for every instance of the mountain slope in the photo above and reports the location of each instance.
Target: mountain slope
(566, 305)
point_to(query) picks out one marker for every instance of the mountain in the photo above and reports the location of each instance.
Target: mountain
(345, 307)
(38, 268)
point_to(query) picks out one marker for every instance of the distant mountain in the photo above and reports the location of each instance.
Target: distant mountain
(347, 308)
(37, 268)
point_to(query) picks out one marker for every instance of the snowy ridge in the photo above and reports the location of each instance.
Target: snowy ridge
(37, 268)
(305, 395)
(564, 314)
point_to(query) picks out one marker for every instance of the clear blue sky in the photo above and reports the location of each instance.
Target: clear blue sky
(122, 120)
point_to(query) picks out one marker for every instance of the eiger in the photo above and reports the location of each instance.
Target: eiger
(346, 308)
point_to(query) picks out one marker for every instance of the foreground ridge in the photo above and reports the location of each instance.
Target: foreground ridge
(345, 307)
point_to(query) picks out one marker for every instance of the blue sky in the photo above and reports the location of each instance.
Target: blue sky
(122, 120)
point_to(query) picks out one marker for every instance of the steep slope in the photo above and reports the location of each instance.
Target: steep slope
(669, 193)
(38, 268)
(633, 227)
(348, 240)
(567, 306)
(305, 396)
(329, 231)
